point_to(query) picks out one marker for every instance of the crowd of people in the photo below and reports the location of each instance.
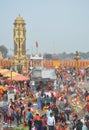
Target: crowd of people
(61, 107)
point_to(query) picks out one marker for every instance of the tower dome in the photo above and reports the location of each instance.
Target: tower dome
(19, 20)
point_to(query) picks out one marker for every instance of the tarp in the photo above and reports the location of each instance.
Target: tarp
(19, 77)
(4, 71)
(10, 74)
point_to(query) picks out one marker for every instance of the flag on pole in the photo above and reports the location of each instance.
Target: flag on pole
(36, 44)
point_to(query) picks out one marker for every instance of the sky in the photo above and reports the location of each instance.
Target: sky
(57, 25)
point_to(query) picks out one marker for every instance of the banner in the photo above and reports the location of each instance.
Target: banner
(49, 74)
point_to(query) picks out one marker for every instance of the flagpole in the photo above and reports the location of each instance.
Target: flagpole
(36, 50)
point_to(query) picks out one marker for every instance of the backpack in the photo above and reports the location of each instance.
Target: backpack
(39, 122)
(17, 114)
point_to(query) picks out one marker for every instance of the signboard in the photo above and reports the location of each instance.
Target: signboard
(49, 74)
(36, 74)
(43, 73)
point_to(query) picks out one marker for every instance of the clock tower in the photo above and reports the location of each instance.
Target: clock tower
(20, 59)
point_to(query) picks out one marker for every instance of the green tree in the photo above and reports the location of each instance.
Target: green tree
(4, 51)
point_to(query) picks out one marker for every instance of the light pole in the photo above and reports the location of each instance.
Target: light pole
(11, 73)
(77, 66)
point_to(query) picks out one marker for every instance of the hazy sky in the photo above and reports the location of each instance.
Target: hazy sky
(57, 25)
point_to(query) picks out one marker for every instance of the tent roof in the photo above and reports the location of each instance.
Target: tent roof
(11, 75)
(4, 71)
(19, 77)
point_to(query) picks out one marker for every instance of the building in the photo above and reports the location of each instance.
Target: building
(36, 65)
(20, 59)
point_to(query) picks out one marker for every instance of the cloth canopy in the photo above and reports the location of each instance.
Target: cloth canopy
(4, 71)
(19, 77)
(10, 74)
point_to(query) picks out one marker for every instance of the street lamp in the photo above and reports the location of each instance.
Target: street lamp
(77, 65)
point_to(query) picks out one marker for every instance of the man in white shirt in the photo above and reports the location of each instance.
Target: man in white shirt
(48, 111)
(51, 122)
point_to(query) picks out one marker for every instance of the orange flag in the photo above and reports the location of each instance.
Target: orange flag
(36, 44)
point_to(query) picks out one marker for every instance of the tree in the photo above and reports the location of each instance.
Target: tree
(4, 51)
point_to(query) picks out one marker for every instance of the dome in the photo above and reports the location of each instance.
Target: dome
(19, 19)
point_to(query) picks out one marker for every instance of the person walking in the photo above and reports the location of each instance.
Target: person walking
(29, 118)
(51, 122)
(55, 112)
(48, 111)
